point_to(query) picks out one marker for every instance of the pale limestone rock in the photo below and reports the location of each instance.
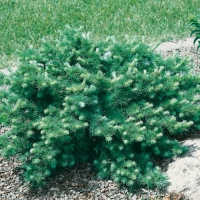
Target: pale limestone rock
(184, 172)
(171, 46)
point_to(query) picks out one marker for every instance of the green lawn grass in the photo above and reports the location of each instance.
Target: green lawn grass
(24, 22)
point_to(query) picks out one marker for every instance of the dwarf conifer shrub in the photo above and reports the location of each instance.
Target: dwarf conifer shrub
(117, 105)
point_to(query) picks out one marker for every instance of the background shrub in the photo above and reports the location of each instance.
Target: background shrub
(195, 24)
(117, 105)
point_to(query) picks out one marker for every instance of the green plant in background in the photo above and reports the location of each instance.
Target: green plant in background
(115, 104)
(195, 24)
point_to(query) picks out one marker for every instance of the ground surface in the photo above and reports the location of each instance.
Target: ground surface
(80, 182)
(183, 48)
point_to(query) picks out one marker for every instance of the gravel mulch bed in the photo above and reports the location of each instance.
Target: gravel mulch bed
(183, 48)
(77, 183)
(80, 182)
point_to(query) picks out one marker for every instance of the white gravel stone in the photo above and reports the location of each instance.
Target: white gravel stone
(8, 71)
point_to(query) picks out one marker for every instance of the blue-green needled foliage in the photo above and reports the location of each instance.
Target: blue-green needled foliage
(117, 105)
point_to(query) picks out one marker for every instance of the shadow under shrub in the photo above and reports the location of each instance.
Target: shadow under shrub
(117, 105)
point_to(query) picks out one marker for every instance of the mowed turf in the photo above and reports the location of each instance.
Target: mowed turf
(24, 22)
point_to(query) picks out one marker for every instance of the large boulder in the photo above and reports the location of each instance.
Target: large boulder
(184, 172)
